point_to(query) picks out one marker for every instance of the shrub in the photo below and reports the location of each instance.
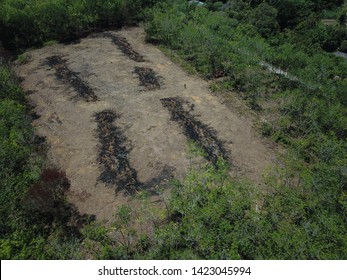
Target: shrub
(343, 46)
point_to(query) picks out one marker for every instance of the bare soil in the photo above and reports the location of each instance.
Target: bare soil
(130, 138)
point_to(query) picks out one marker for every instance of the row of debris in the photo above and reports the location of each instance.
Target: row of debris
(124, 46)
(113, 155)
(64, 74)
(149, 79)
(195, 129)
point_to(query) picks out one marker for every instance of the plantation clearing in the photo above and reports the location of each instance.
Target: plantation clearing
(117, 115)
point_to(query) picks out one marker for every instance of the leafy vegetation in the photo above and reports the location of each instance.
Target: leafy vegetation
(25, 24)
(279, 57)
(22, 230)
(266, 51)
(212, 217)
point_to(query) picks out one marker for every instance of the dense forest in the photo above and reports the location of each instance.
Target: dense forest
(277, 56)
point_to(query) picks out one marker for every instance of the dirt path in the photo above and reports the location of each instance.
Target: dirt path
(122, 129)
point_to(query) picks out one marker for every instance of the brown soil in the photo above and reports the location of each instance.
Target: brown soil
(128, 130)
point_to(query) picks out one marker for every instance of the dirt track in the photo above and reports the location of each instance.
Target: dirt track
(149, 138)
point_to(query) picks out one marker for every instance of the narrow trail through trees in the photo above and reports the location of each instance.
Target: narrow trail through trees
(134, 135)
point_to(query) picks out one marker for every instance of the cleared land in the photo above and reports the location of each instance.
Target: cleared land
(117, 115)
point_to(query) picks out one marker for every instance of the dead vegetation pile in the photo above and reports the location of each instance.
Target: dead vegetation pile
(195, 129)
(64, 74)
(113, 155)
(125, 47)
(148, 78)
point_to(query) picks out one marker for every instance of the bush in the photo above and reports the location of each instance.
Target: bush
(14, 137)
(8, 87)
(264, 19)
(343, 46)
